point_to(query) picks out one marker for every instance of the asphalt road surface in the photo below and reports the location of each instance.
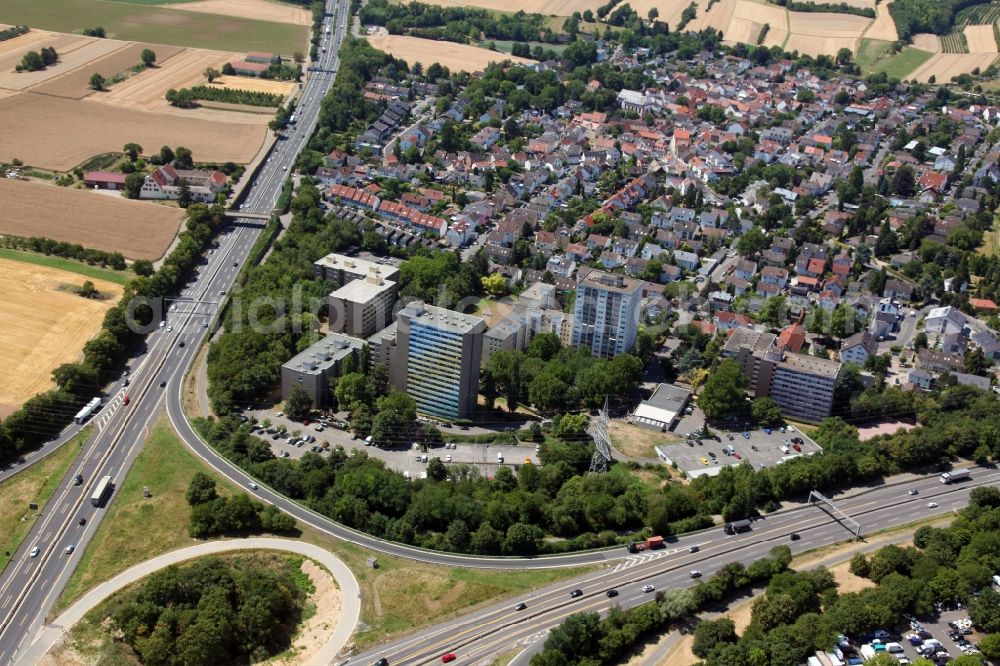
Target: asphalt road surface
(482, 636)
(30, 585)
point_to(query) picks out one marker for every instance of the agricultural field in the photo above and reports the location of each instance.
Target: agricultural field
(875, 56)
(260, 10)
(944, 66)
(818, 33)
(58, 103)
(43, 324)
(883, 28)
(980, 38)
(547, 7)
(159, 25)
(139, 230)
(927, 42)
(449, 54)
(954, 42)
(255, 85)
(776, 17)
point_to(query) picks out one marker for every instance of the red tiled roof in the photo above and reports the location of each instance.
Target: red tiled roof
(792, 338)
(104, 177)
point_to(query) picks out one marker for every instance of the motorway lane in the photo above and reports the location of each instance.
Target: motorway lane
(29, 586)
(499, 629)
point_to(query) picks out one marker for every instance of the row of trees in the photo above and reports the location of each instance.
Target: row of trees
(211, 611)
(74, 251)
(236, 96)
(12, 32)
(584, 638)
(461, 24)
(803, 612)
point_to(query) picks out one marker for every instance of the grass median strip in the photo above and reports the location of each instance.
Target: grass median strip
(34, 484)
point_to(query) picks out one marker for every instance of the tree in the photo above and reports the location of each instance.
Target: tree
(710, 633)
(903, 181)
(765, 411)
(97, 83)
(724, 393)
(990, 646)
(49, 56)
(183, 158)
(166, 155)
(751, 242)
(87, 290)
(142, 267)
(201, 489)
(30, 62)
(494, 284)
(133, 150)
(212, 74)
(298, 404)
(184, 198)
(133, 184)
(148, 57)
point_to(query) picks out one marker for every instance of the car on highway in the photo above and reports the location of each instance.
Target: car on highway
(170, 329)
(35, 551)
(180, 344)
(521, 606)
(125, 400)
(648, 588)
(932, 505)
(253, 486)
(445, 658)
(69, 549)
(912, 491)
(82, 521)
(162, 324)
(78, 480)
(576, 593)
(163, 384)
(794, 536)
(382, 662)
(704, 460)
(611, 593)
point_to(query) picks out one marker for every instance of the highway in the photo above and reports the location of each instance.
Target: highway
(482, 636)
(30, 585)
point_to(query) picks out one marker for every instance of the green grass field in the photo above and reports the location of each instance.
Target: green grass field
(95, 272)
(874, 57)
(35, 484)
(506, 45)
(142, 22)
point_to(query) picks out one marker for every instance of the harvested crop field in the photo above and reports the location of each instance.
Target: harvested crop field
(741, 30)
(944, 66)
(137, 229)
(927, 42)
(76, 84)
(254, 84)
(261, 10)
(980, 39)
(755, 12)
(883, 27)
(145, 91)
(73, 51)
(718, 17)
(43, 324)
(76, 130)
(455, 57)
(158, 24)
(818, 33)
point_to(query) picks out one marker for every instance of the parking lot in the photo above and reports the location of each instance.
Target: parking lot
(402, 459)
(708, 455)
(927, 630)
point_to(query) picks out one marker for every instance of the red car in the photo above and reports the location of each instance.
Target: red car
(738, 456)
(796, 447)
(305, 421)
(445, 658)
(125, 400)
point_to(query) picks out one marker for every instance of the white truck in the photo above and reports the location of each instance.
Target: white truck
(956, 475)
(87, 410)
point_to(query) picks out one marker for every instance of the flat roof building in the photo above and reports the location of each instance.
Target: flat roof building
(661, 409)
(362, 307)
(314, 367)
(606, 313)
(342, 269)
(437, 358)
